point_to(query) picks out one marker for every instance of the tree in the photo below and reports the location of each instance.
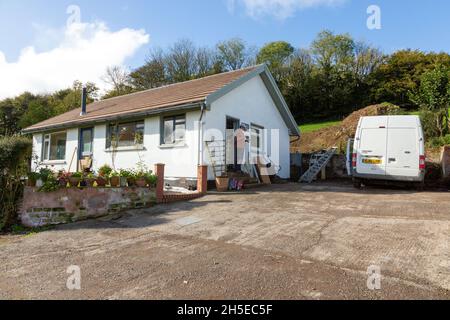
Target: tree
(433, 95)
(276, 55)
(181, 61)
(401, 74)
(69, 99)
(119, 79)
(234, 54)
(152, 74)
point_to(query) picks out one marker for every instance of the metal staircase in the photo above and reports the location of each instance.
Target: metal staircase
(216, 152)
(317, 163)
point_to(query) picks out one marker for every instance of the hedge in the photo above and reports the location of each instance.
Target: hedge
(15, 155)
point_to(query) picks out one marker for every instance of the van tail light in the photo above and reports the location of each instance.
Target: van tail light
(354, 160)
(422, 163)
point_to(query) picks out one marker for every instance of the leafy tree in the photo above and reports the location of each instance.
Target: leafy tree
(152, 74)
(119, 79)
(276, 55)
(233, 54)
(433, 96)
(181, 61)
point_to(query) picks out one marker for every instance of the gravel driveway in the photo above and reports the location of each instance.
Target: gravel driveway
(280, 242)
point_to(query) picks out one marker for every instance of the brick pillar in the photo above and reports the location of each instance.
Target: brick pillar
(159, 171)
(202, 179)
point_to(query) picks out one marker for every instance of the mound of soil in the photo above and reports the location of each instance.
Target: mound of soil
(337, 136)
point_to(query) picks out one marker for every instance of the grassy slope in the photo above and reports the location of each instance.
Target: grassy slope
(311, 127)
(317, 126)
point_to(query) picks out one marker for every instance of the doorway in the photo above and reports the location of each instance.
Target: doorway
(86, 143)
(232, 124)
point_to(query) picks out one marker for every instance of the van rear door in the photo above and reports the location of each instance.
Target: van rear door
(372, 151)
(403, 152)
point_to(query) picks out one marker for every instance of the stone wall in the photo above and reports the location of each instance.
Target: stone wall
(72, 204)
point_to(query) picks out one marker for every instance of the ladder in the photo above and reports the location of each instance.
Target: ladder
(317, 163)
(216, 152)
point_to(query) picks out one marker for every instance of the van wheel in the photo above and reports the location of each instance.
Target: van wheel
(357, 184)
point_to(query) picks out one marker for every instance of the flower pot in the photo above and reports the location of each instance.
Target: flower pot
(123, 182)
(222, 184)
(131, 182)
(114, 182)
(74, 182)
(62, 182)
(101, 182)
(90, 182)
(141, 183)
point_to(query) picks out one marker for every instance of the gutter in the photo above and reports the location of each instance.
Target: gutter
(200, 134)
(102, 120)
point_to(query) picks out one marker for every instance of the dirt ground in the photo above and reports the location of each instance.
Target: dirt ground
(281, 242)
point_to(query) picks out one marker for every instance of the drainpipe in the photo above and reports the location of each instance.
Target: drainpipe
(200, 133)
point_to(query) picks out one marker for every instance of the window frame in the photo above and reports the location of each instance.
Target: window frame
(174, 118)
(116, 125)
(47, 138)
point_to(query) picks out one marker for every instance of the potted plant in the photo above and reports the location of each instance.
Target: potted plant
(141, 182)
(102, 181)
(75, 178)
(129, 176)
(222, 183)
(90, 180)
(104, 172)
(123, 177)
(151, 179)
(63, 179)
(33, 178)
(114, 179)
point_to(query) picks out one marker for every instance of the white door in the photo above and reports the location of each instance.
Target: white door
(257, 143)
(403, 152)
(372, 151)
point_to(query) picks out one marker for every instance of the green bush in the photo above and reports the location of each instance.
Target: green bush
(432, 123)
(15, 155)
(439, 141)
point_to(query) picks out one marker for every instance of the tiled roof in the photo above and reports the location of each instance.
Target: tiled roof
(183, 93)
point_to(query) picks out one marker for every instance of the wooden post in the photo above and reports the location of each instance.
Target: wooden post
(159, 171)
(202, 179)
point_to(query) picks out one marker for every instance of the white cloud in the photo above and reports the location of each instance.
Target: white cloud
(83, 53)
(280, 9)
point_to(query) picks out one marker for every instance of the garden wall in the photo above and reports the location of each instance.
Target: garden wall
(72, 204)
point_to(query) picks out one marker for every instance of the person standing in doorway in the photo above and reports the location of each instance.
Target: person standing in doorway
(240, 147)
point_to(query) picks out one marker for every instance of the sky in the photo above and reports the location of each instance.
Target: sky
(47, 44)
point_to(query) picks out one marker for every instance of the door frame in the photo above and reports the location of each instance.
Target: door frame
(237, 123)
(80, 142)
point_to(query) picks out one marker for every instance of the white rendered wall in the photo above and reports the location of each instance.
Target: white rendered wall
(63, 165)
(180, 161)
(251, 103)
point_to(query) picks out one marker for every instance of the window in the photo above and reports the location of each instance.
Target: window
(125, 134)
(54, 146)
(174, 129)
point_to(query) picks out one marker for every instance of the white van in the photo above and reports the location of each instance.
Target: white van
(390, 148)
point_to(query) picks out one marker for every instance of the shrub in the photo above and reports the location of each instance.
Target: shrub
(105, 171)
(432, 122)
(437, 142)
(15, 154)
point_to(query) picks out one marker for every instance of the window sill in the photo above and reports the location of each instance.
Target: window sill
(53, 162)
(126, 149)
(173, 146)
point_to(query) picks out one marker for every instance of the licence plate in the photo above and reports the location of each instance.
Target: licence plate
(372, 161)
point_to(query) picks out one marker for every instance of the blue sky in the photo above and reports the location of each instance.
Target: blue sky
(417, 24)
